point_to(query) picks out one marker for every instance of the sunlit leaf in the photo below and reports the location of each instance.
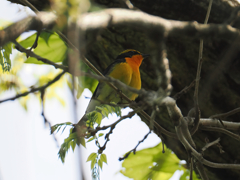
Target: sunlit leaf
(45, 36)
(68, 142)
(100, 134)
(5, 60)
(150, 163)
(53, 48)
(95, 116)
(23, 101)
(91, 157)
(103, 158)
(59, 126)
(82, 142)
(1, 60)
(93, 163)
(92, 138)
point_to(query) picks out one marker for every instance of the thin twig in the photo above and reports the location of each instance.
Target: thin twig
(216, 129)
(35, 89)
(135, 148)
(112, 126)
(200, 60)
(184, 90)
(201, 170)
(153, 115)
(224, 115)
(210, 144)
(44, 60)
(46, 121)
(234, 14)
(28, 4)
(200, 158)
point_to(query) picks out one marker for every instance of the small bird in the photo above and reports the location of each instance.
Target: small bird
(126, 69)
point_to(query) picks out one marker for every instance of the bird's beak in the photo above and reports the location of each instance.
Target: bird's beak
(145, 56)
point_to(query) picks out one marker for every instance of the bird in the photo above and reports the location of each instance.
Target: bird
(125, 68)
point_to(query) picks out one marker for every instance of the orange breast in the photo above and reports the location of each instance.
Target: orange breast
(128, 74)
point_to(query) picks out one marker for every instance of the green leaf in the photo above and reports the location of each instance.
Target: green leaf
(67, 144)
(150, 163)
(58, 126)
(5, 60)
(93, 163)
(1, 59)
(92, 138)
(68, 123)
(62, 152)
(118, 111)
(100, 163)
(184, 176)
(91, 157)
(100, 134)
(103, 111)
(107, 109)
(103, 158)
(95, 116)
(99, 118)
(45, 36)
(55, 50)
(53, 128)
(82, 142)
(73, 145)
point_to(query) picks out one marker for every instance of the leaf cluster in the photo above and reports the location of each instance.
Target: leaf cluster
(97, 159)
(72, 140)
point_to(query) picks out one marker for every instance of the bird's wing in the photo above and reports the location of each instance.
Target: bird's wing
(106, 73)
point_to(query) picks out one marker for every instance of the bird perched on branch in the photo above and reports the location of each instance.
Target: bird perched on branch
(126, 69)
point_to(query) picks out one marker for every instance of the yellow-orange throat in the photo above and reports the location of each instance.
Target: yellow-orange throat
(135, 61)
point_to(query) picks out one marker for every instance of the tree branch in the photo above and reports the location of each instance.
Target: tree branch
(140, 20)
(35, 89)
(41, 21)
(32, 54)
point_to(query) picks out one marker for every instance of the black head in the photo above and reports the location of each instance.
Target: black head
(128, 53)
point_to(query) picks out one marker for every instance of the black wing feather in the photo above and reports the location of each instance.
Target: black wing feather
(107, 72)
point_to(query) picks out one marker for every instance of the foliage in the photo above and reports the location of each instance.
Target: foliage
(102, 111)
(50, 46)
(98, 159)
(5, 53)
(152, 163)
(73, 139)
